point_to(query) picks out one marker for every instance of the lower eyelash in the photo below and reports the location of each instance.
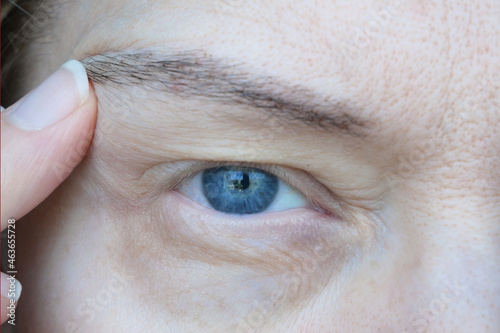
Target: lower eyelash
(261, 225)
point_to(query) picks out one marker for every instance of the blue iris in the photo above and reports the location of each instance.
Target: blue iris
(239, 190)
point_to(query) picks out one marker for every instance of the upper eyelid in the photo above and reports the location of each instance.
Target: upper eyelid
(183, 170)
(276, 170)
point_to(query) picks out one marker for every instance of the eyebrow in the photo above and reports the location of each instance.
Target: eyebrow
(195, 74)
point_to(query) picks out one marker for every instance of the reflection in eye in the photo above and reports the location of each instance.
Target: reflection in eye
(242, 190)
(239, 190)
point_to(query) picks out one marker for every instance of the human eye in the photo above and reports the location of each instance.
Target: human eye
(236, 189)
(219, 223)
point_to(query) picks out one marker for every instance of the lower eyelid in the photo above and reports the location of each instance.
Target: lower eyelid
(268, 225)
(300, 250)
(273, 241)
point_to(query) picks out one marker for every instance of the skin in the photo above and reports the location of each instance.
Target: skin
(413, 242)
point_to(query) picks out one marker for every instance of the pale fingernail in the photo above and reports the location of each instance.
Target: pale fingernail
(11, 288)
(58, 96)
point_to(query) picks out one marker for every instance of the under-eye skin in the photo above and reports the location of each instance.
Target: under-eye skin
(242, 190)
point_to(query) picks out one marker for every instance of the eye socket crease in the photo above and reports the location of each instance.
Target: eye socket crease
(193, 74)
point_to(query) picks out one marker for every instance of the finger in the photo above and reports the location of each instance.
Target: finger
(44, 136)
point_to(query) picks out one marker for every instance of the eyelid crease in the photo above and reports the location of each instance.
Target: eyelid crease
(321, 198)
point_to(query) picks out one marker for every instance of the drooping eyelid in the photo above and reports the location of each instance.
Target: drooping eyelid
(318, 194)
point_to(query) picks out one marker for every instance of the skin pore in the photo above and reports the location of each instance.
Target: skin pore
(407, 237)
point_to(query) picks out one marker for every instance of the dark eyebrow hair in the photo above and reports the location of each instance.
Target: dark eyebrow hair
(195, 74)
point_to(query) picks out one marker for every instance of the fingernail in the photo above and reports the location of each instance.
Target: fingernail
(58, 96)
(11, 288)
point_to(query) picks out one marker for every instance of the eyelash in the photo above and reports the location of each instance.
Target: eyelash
(280, 172)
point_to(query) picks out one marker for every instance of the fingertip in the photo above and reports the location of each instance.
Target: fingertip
(57, 97)
(80, 76)
(38, 161)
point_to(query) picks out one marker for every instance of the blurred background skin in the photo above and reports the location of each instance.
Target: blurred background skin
(421, 252)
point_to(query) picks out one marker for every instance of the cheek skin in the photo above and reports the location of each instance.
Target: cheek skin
(64, 250)
(190, 257)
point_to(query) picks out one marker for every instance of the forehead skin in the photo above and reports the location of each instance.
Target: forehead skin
(427, 76)
(417, 69)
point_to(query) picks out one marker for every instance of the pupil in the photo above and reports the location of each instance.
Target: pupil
(239, 190)
(242, 184)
